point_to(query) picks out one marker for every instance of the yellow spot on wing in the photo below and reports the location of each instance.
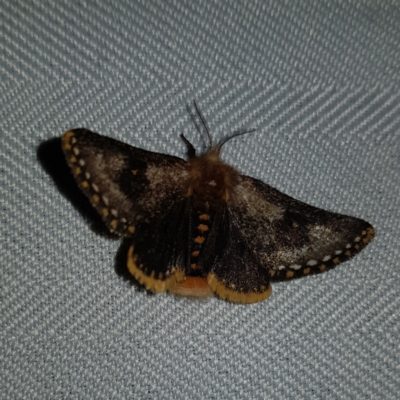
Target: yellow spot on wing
(67, 146)
(235, 296)
(195, 253)
(85, 184)
(336, 260)
(306, 271)
(289, 274)
(204, 217)
(66, 140)
(104, 212)
(149, 281)
(131, 229)
(369, 235)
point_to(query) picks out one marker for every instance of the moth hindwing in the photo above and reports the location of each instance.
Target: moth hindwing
(198, 227)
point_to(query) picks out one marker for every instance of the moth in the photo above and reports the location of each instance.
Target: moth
(199, 227)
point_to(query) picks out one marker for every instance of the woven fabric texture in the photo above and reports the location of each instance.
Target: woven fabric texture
(320, 81)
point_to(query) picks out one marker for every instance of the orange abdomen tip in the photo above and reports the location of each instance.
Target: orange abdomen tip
(192, 287)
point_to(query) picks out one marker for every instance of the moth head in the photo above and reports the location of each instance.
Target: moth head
(209, 178)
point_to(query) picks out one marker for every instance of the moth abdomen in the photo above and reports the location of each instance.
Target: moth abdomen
(201, 226)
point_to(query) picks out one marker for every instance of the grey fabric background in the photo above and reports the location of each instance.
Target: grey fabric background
(319, 81)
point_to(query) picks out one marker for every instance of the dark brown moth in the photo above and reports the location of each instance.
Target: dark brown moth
(198, 227)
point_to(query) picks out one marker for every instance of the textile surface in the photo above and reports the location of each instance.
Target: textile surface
(320, 81)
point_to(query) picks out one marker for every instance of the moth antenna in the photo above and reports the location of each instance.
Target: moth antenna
(203, 121)
(231, 136)
(191, 151)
